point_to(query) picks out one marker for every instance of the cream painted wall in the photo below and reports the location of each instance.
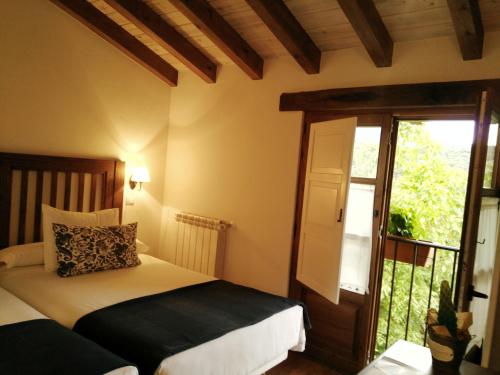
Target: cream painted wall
(65, 91)
(233, 155)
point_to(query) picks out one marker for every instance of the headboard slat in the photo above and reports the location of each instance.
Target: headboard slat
(53, 188)
(67, 190)
(119, 186)
(109, 194)
(81, 186)
(26, 216)
(5, 193)
(93, 189)
(23, 207)
(38, 205)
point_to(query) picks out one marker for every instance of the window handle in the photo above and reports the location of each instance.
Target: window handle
(339, 220)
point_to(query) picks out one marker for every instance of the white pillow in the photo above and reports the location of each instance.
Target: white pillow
(30, 254)
(51, 215)
(141, 247)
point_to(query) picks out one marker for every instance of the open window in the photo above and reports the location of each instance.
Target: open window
(324, 205)
(347, 342)
(358, 235)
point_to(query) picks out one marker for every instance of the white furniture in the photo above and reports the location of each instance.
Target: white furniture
(408, 358)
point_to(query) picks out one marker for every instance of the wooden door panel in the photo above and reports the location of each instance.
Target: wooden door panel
(321, 205)
(327, 162)
(340, 334)
(335, 325)
(325, 194)
(336, 329)
(488, 105)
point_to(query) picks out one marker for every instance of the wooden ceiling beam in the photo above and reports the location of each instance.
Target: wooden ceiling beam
(456, 94)
(370, 28)
(152, 24)
(468, 25)
(222, 34)
(91, 17)
(283, 24)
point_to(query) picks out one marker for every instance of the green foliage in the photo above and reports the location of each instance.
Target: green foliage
(400, 223)
(446, 314)
(365, 154)
(429, 187)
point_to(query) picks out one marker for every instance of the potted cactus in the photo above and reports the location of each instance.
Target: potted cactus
(448, 333)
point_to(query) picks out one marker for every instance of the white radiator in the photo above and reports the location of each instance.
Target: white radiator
(197, 243)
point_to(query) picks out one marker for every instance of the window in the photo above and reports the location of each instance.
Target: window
(357, 240)
(357, 245)
(490, 155)
(365, 154)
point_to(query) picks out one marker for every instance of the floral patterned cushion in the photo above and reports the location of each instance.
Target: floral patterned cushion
(89, 249)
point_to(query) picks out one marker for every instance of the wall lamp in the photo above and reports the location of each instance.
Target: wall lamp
(139, 175)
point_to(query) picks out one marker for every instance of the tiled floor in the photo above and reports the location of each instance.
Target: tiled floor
(299, 364)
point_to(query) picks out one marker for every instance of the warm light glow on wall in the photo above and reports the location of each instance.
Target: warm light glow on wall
(139, 175)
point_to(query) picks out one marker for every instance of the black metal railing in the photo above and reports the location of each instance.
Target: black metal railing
(422, 257)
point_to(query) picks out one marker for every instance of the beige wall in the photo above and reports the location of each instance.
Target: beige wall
(65, 91)
(233, 155)
(230, 153)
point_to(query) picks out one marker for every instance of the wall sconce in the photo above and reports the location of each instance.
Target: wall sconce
(139, 175)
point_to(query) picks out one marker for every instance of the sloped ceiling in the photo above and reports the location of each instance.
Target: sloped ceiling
(329, 24)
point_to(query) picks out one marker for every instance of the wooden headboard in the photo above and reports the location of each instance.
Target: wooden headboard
(27, 181)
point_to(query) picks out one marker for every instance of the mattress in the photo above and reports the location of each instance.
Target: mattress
(249, 350)
(13, 311)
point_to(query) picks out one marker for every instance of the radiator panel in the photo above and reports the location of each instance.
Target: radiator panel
(197, 243)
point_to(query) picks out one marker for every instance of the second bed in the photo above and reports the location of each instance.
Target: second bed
(250, 350)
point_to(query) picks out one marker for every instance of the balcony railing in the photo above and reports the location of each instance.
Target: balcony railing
(424, 261)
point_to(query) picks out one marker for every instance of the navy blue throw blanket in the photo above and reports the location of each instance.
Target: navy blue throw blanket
(148, 329)
(44, 347)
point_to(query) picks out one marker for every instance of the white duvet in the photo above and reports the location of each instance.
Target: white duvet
(249, 350)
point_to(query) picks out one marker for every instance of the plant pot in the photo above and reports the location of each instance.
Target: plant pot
(447, 352)
(405, 252)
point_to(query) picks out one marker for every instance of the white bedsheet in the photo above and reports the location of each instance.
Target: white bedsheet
(13, 310)
(248, 350)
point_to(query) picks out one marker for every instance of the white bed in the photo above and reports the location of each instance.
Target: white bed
(249, 350)
(13, 310)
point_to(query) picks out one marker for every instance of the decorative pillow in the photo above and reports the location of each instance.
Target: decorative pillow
(30, 254)
(52, 215)
(90, 249)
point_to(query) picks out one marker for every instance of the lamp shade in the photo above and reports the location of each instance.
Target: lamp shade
(140, 174)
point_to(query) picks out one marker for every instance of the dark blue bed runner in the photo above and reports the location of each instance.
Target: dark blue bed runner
(148, 329)
(44, 347)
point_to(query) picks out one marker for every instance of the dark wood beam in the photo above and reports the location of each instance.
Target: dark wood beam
(152, 24)
(422, 95)
(370, 28)
(466, 17)
(222, 34)
(113, 33)
(283, 24)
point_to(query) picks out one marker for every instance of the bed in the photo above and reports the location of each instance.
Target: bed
(82, 185)
(32, 344)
